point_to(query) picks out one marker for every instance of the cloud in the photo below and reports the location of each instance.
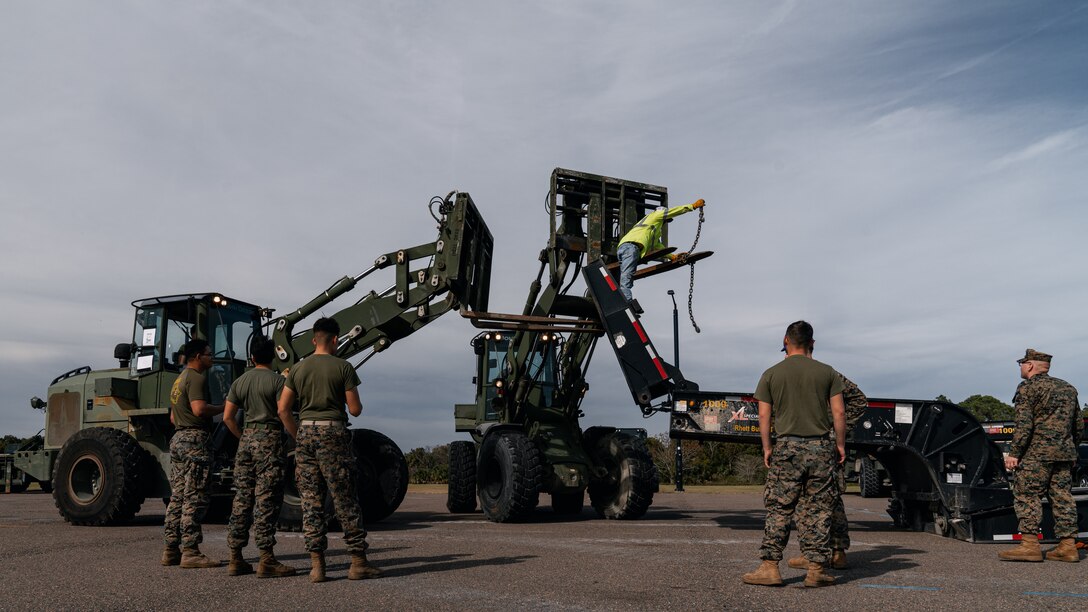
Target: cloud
(896, 175)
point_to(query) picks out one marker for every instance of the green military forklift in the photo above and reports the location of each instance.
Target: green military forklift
(107, 432)
(531, 369)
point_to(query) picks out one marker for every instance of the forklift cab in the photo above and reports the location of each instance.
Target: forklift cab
(493, 370)
(163, 326)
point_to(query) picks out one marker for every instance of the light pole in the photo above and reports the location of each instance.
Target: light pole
(679, 480)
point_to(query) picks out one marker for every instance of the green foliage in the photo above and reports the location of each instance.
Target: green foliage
(988, 408)
(10, 443)
(428, 465)
(719, 463)
(943, 398)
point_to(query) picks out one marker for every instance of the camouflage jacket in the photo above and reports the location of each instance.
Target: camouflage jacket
(1048, 424)
(855, 401)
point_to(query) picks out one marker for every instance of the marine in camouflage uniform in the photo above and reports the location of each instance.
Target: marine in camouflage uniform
(804, 397)
(1043, 451)
(856, 403)
(190, 461)
(258, 463)
(324, 455)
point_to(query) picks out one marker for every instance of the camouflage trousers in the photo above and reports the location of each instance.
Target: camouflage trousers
(840, 527)
(325, 464)
(258, 478)
(190, 463)
(1053, 479)
(801, 485)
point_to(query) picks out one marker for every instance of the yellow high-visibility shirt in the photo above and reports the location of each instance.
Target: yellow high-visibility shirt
(647, 232)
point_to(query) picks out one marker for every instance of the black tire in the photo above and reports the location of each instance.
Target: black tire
(97, 478)
(382, 474)
(290, 518)
(382, 481)
(218, 510)
(568, 503)
(46, 485)
(627, 490)
(1083, 482)
(508, 476)
(461, 490)
(869, 480)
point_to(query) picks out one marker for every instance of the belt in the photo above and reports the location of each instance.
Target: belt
(327, 423)
(204, 429)
(803, 438)
(264, 426)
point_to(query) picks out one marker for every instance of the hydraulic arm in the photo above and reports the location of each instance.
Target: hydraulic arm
(431, 279)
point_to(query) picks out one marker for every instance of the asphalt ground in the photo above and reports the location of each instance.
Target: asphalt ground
(687, 553)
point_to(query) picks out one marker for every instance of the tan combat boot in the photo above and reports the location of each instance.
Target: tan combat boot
(171, 555)
(766, 575)
(238, 565)
(192, 558)
(1028, 550)
(317, 567)
(269, 567)
(360, 569)
(816, 576)
(798, 562)
(838, 560)
(1065, 551)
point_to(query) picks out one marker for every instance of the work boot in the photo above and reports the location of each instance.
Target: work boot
(766, 575)
(816, 576)
(269, 567)
(317, 567)
(1028, 550)
(838, 560)
(192, 558)
(238, 565)
(1065, 551)
(171, 555)
(360, 569)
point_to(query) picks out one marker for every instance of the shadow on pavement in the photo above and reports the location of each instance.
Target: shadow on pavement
(875, 561)
(430, 565)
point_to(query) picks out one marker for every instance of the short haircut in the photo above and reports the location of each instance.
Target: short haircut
(799, 334)
(194, 348)
(326, 328)
(262, 350)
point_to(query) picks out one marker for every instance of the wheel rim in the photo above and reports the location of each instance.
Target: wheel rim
(85, 479)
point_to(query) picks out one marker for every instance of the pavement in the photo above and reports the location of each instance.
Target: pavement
(687, 553)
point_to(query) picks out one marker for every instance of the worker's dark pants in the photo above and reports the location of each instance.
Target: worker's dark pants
(629, 254)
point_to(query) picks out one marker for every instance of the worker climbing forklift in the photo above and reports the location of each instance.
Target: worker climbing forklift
(647, 237)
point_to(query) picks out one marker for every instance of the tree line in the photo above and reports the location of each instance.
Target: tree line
(705, 462)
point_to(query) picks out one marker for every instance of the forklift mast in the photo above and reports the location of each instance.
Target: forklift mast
(588, 215)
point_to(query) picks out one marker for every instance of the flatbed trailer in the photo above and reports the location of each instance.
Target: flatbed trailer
(947, 472)
(948, 476)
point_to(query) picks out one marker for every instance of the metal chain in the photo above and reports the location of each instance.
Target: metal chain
(691, 281)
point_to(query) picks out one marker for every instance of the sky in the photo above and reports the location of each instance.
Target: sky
(907, 176)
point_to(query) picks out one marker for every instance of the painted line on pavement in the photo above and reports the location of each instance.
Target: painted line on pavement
(894, 586)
